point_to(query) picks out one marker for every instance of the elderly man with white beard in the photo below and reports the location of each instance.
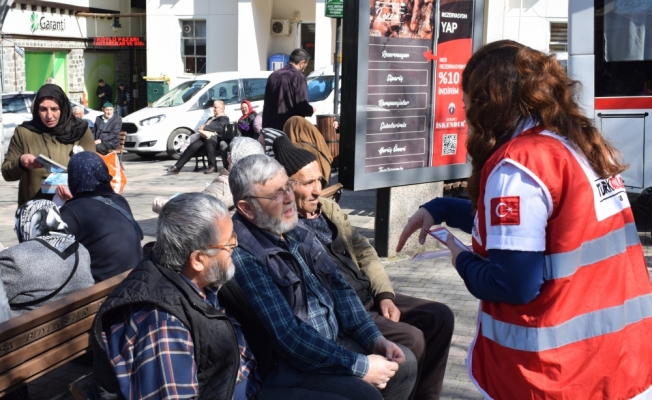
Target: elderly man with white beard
(307, 327)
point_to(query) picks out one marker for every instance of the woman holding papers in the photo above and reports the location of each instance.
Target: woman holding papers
(52, 132)
(565, 294)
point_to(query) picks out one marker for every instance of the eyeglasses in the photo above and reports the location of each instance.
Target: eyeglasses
(288, 188)
(230, 246)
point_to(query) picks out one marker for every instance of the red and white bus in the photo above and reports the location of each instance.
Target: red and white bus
(610, 52)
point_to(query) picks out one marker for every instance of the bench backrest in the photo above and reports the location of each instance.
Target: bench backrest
(41, 340)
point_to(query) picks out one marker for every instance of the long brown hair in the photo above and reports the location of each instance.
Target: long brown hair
(506, 82)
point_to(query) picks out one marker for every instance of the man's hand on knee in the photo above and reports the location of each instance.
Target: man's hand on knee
(389, 350)
(380, 371)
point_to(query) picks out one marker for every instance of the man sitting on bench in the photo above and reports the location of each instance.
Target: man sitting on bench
(162, 333)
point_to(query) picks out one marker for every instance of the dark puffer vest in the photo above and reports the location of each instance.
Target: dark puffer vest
(216, 346)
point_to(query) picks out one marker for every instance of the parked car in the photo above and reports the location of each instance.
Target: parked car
(168, 122)
(321, 83)
(17, 108)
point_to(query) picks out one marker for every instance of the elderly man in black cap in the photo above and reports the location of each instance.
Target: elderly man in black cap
(423, 326)
(107, 130)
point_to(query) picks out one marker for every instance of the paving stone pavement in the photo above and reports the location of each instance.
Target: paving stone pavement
(432, 279)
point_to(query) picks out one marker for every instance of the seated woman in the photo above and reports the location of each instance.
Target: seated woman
(246, 122)
(100, 218)
(306, 136)
(208, 138)
(241, 147)
(47, 264)
(53, 131)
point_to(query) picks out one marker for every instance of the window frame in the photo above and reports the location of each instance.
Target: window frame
(193, 38)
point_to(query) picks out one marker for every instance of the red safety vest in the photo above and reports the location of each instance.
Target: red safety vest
(588, 334)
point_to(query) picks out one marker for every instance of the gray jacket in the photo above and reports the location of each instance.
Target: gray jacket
(32, 270)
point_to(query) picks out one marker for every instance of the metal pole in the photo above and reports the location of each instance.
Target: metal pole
(338, 39)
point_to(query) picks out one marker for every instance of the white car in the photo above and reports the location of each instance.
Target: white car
(168, 122)
(321, 95)
(17, 108)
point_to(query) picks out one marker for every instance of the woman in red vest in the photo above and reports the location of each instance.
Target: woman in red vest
(557, 263)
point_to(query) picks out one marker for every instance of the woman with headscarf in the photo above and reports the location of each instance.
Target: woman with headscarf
(100, 218)
(48, 262)
(53, 132)
(306, 136)
(246, 122)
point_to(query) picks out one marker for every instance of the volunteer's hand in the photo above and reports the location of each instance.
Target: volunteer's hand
(389, 310)
(389, 350)
(420, 220)
(380, 371)
(454, 248)
(64, 193)
(29, 161)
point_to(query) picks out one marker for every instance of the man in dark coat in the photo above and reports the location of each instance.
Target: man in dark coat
(286, 93)
(122, 99)
(107, 130)
(104, 93)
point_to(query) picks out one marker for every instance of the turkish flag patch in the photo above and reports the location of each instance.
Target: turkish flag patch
(506, 210)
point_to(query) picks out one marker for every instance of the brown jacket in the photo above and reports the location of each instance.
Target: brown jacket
(361, 251)
(305, 135)
(25, 141)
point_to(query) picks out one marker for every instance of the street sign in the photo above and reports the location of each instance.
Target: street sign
(334, 8)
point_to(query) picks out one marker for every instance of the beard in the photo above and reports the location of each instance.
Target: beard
(219, 274)
(274, 225)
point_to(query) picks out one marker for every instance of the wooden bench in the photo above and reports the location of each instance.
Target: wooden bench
(333, 192)
(121, 147)
(37, 342)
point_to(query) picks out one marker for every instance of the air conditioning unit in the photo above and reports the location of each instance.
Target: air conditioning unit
(280, 27)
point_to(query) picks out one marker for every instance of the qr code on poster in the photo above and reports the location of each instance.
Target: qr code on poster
(450, 145)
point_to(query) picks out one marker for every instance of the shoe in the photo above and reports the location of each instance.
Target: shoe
(210, 170)
(173, 170)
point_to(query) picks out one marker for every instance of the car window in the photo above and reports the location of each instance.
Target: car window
(14, 105)
(254, 89)
(180, 94)
(320, 87)
(228, 92)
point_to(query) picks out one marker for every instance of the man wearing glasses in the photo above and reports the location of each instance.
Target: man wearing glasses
(307, 327)
(423, 326)
(162, 333)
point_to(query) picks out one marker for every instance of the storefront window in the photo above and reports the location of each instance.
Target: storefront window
(193, 46)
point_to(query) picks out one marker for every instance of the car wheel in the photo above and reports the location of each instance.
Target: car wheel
(146, 156)
(176, 139)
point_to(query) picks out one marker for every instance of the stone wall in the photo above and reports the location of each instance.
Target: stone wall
(122, 68)
(13, 68)
(76, 79)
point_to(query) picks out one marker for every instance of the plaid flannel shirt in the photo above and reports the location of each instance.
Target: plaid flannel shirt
(152, 354)
(311, 345)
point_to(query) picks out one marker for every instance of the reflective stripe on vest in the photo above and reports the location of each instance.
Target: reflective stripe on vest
(586, 326)
(562, 265)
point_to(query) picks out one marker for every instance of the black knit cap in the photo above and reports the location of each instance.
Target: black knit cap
(293, 158)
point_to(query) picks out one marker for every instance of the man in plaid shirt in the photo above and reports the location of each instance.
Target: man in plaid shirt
(292, 297)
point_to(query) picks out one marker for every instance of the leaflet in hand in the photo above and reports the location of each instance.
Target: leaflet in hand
(50, 164)
(442, 233)
(50, 184)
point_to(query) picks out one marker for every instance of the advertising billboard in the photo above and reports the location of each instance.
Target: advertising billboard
(402, 110)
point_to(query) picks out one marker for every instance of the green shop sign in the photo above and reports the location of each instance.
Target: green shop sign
(46, 24)
(334, 8)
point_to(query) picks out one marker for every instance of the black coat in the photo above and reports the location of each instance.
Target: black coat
(246, 126)
(108, 94)
(217, 124)
(110, 132)
(286, 95)
(111, 240)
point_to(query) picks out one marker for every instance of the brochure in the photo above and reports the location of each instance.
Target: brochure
(50, 164)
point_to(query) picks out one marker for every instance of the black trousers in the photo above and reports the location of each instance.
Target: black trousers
(426, 328)
(209, 146)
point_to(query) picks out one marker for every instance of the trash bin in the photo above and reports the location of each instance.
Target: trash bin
(325, 127)
(277, 61)
(156, 90)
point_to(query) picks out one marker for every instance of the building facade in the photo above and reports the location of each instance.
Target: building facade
(44, 39)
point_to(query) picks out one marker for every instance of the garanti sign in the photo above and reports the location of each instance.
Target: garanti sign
(44, 23)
